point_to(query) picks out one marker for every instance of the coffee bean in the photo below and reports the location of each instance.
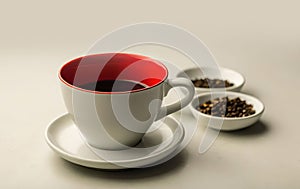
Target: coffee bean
(225, 107)
(211, 83)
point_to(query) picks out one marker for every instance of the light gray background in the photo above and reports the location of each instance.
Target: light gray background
(260, 39)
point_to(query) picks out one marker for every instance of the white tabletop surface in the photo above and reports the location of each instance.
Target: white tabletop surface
(260, 39)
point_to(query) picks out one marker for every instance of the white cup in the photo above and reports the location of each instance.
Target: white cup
(118, 119)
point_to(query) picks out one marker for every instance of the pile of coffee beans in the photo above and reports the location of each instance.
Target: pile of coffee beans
(225, 107)
(211, 83)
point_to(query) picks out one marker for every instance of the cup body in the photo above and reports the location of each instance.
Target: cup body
(104, 120)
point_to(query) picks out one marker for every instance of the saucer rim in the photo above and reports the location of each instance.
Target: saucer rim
(78, 160)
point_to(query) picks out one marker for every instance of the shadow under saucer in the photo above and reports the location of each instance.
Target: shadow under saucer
(174, 164)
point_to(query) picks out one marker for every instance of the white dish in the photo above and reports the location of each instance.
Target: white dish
(222, 73)
(163, 139)
(223, 123)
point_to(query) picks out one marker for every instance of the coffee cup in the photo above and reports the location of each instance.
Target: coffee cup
(114, 98)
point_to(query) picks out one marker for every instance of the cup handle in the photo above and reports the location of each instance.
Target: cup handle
(177, 82)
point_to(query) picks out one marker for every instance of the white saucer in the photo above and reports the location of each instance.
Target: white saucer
(163, 139)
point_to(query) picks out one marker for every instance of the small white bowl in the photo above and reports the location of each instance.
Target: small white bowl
(225, 123)
(222, 73)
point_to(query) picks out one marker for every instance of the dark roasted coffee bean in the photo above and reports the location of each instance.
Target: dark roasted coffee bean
(225, 107)
(211, 83)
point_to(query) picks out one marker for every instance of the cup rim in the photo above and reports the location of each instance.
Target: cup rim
(154, 61)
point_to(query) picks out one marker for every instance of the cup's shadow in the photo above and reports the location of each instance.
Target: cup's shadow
(257, 128)
(174, 164)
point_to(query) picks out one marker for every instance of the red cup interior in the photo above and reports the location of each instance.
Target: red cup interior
(113, 66)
